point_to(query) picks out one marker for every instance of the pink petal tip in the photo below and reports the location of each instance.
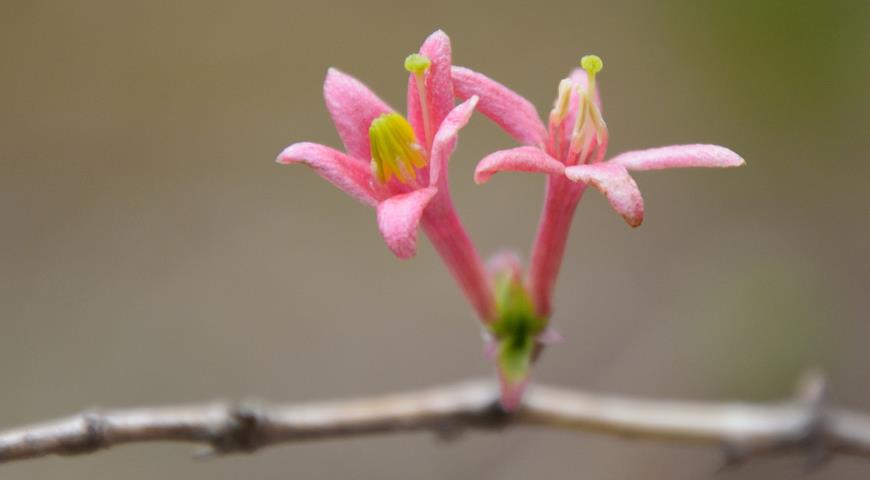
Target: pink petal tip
(520, 159)
(445, 138)
(509, 110)
(347, 173)
(616, 184)
(399, 217)
(679, 156)
(353, 107)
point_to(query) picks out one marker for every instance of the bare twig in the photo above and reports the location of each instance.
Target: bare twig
(744, 430)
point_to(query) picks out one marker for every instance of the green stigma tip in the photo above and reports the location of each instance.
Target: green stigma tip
(592, 64)
(416, 63)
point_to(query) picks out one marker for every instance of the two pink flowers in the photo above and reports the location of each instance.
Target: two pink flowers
(398, 164)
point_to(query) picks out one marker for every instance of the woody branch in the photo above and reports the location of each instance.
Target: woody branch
(743, 429)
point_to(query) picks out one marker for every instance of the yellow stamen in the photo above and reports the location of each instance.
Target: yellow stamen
(589, 119)
(560, 108)
(418, 65)
(395, 150)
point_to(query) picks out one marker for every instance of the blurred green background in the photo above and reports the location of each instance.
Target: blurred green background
(153, 253)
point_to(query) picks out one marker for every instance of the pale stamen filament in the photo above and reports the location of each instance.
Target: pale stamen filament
(589, 127)
(557, 115)
(418, 65)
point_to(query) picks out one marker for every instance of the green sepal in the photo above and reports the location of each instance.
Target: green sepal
(517, 326)
(515, 359)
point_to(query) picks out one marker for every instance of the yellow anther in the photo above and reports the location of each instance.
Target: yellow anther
(394, 149)
(560, 108)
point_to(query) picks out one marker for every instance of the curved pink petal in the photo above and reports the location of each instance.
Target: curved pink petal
(679, 156)
(445, 139)
(438, 84)
(616, 184)
(520, 159)
(439, 87)
(352, 107)
(398, 218)
(349, 174)
(509, 110)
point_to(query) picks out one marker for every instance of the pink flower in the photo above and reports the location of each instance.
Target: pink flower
(399, 166)
(570, 151)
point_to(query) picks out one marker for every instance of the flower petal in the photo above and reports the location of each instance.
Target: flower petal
(509, 110)
(439, 87)
(349, 174)
(550, 336)
(616, 184)
(679, 156)
(445, 139)
(353, 107)
(398, 217)
(505, 261)
(490, 345)
(520, 159)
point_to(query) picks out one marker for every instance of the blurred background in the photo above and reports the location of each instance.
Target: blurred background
(153, 253)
